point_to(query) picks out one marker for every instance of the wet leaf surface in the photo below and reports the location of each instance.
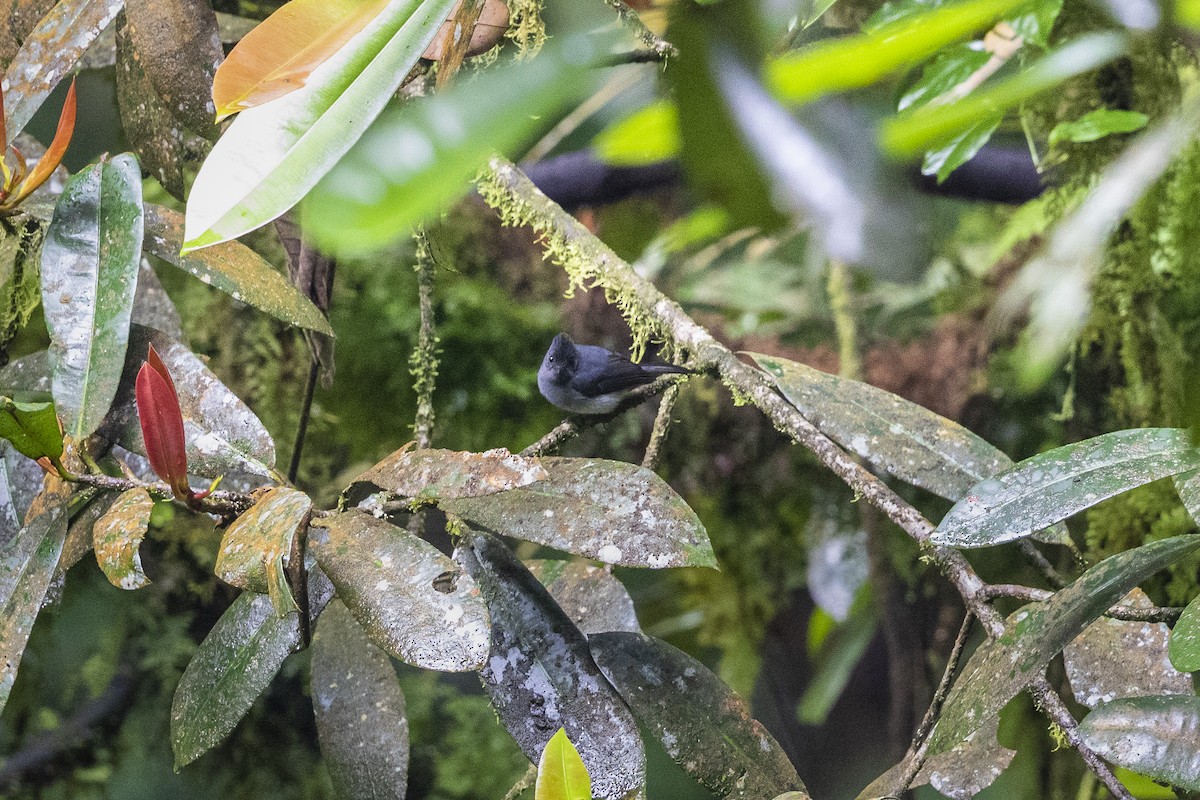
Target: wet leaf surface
(360, 710)
(233, 269)
(704, 727)
(1002, 667)
(1050, 487)
(117, 536)
(1158, 737)
(909, 441)
(27, 376)
(414, 602)
(614, 512)
(90, 261)
(234, 663)
(49, 53)
(1184, 645)
(1116, 658)
(20, 481)
(179, 43)
(433, 475)
(152, 307)
(591, 596)
(26, 567)
(541, 676)
(255, 550)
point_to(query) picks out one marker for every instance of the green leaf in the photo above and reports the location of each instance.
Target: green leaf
(273, 155)
(615, 512)
(26, 567)
(89, 276)
(561, 774)
(257, 547)
(118, 534)
(840, 653)
(430, 475)
(704, 727)
(48, 54)
(1034, 21)
(645, 136)
(31, 428)
(413, 601)
(20, 481)
(960, 149)
(852, 62)
(1052, 486)
(1183, 647)
(1098, 124)
(951, 67)
(360, 709)
(408, 167)
(1154, 736)
(1002, 667)
(234, 663)
(909, 441)
(591, 596)
(233, 269)
(541, 676)
(921, 129)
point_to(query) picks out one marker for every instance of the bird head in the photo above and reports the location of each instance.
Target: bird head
(561, 361)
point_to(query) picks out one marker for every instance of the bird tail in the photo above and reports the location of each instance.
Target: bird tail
(667, 369)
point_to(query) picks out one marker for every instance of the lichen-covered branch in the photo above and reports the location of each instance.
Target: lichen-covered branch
(423, 364)
(662, 423)
(652, 315)
(660, 47)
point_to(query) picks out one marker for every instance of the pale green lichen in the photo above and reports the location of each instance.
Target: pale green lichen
(526, 27)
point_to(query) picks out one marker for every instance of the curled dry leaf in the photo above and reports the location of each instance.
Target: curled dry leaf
(117, 536)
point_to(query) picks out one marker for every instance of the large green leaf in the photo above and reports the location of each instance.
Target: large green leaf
(31, 428)
(1183, 647)
(233, 269)
(615, 512)
(272, 155)
(360, 710)
(117, 537)
(541, 676)
(704, 727)
(234, 663)
(48, 54)
(1002, 667)
(414, 602)
(26, 566)
(430, 475)
(257, 547)
(1052, 486)
(90, 265)
(1154, 736)
(561, 774)
(421, 156)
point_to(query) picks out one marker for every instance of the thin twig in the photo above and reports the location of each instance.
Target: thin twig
(1041, 564)
(310, 388)
(662, 424)
(222, 502)
(423, 364)
(1003, 43)
(631, 19)
(1123, 612)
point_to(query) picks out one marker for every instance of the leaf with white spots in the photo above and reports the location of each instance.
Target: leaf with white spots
(541, 676)
(704, 727)
(612, 511)
(959, 773)
(360, 710)
(414, 602)
(1052, 486)
(234, 663)
(118, 534)
(1157, 736)
(430, 475)
(1002, 667)
(256, 548)
(20, 481)
(90, 262)
(591, 596)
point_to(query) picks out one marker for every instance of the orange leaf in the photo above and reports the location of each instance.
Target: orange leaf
(278, 55)
(54, 153)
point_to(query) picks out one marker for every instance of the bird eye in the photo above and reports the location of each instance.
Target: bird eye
(551, 359)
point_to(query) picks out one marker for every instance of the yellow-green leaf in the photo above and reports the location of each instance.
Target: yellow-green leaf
(117, 536)
(255, 551)
(561, 773)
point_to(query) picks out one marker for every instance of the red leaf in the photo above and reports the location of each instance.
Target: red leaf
(54, 153)
(162, 425)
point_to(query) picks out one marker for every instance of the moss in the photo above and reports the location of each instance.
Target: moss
(526, 27)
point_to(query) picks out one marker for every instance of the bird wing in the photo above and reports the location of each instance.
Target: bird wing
(619, 374)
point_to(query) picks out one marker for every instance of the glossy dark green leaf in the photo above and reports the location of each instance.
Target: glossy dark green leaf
(414, 602)
(48, 54)
(949, 69)
(959, 150)
(1115, 658)
(378, 191)
(234, 269)
(1158, 737)
(1183, 647)
(360, 710)
(1098, 124)
(1034, 21)
(913, 443)
(1052, 486)
(1002, 667)
(26, 566)
(591, 596)
(430, 475)
(234, 663)
(256, 549)
(704, 727)
(90, 265)
(561, 774)
(118, 534)
(541, 676)
(615, 512)
(31, 428)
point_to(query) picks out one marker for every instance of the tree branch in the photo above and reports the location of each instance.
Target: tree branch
(662, 423)
(423, 364)
(630, 18)
(1123, 612)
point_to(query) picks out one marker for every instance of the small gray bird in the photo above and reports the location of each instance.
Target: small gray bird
(585, 379)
